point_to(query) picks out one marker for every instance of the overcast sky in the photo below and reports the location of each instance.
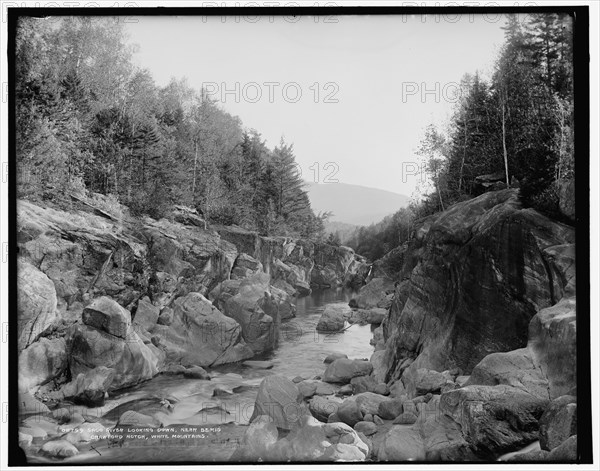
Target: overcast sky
(355, 91)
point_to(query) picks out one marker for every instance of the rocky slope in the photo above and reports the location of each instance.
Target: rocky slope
(476, 356)
(106, 302)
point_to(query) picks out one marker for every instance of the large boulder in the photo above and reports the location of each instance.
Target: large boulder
(106, 315)
(558, 422)
(146, 315)
(566, 451)
(343, 370)
(349, 412)
(553, 341)
(466, 265)
(87, 388)
(280, 399)
(443, 439)
(402, 444)
(334, 317)
(428, 381)
(516, 368)
(253, 307)
(376, 294)
(313, 442)
(199, 334)
(494, 419)
(131, 359)
(36, 303)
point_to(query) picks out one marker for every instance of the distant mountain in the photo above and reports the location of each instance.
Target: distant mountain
(354, 204)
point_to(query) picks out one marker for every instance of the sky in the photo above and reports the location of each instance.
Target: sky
(352, 93)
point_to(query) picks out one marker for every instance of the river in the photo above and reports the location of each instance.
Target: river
(220, 420)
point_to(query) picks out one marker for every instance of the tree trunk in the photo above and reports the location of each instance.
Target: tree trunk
(195, 167)
(437, 186)
(462, 162)
(504, 143)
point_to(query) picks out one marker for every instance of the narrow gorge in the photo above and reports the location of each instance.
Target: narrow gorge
(458, 346)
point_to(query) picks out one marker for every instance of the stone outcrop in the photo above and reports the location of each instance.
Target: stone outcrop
(199, 334)
(36, 301)
(251, 305)
(478, 273)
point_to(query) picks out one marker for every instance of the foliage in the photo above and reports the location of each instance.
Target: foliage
(89, 120)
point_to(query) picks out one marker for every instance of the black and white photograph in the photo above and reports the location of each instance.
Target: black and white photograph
(299, 234)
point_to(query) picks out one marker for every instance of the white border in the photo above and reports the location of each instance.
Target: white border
(594, 218)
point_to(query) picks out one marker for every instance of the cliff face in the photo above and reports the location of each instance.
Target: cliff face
(155, 278)
(474, 277)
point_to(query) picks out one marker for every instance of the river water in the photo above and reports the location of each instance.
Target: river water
(219, 419)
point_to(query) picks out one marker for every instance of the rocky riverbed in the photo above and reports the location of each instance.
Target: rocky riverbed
(158, 341)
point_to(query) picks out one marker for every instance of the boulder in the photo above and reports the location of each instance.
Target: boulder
(42, 362)
(429, 381)
(566, 451)
(375, 294)
(363, 384)
(406, 418)
(256, 312)
(307, 388)
(106, 315)
(25, 440)
(131, 360)
(196, 372)
(401, 444)
(334, 356)
(558, 422)
(258, 438)
(199, 334)
(59, 449)
(343, 370)
(165, 317)
(368, 316)
(553, 343)
(443, 439)
(146, 315)
(516, 368)
(322, 408)
(494, 419)
(346, 390)
(36, 303)
(390, 409)
(280, 399)
(368, 428)
(333, 318)
(349, 412)
(88, 388)
(369, 402)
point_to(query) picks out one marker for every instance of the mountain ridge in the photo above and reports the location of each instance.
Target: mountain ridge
(354, 204)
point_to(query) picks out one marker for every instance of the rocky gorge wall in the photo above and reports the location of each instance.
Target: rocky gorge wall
(105, 302)
(476, 276)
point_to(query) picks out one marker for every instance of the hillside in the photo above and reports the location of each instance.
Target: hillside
(354, 204)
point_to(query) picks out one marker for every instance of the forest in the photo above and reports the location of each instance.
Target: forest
(517, 130)
(89, 122)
